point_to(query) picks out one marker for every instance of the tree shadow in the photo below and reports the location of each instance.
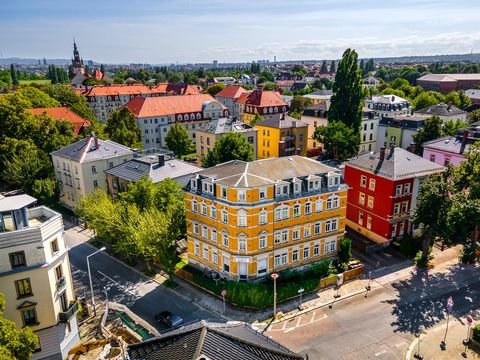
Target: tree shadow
(421, 300)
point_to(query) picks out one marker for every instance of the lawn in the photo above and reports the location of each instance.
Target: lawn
(37, 82)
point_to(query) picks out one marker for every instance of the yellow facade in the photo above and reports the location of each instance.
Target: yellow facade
(270, 138)
(245, 237)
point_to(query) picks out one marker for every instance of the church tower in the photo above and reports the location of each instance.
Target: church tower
(77, 62)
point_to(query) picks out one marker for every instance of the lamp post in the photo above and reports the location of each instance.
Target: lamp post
(90, 277)
(274, 277)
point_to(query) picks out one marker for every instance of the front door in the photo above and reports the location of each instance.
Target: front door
(243, 270)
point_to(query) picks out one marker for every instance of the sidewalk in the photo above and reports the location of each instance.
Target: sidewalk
(430, 343)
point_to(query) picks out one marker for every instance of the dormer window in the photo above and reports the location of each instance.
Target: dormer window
(193, 184)
(282, 190)
(333, 180)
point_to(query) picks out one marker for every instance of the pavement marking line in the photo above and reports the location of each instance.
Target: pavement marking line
(400, 344)
(116, 283)
(381, 353)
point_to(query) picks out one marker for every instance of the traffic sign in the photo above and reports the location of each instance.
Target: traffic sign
(301, 290)
(274, 276)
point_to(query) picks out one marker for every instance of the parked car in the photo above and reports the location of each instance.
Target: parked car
(169, 319)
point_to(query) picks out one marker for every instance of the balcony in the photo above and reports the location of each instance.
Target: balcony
(67, 315)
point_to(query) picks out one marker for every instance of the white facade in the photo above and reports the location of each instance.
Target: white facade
(368, 134)
(388, 106)
(35, 276)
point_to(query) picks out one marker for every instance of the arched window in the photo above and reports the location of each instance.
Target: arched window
(179, 117)
(333, 202)
(225, 112)
(262, 217)
(199, 116)
(275, 109)
(282, 213)
(241, 218)
(194, 206)
(265, 111)
(192, 116)
(270, 110)
(284, 109)
(185, 117)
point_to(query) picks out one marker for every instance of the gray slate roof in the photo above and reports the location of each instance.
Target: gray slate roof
(225, 125)
(441, 109)
(216, 341)
(278, 122)
(84, 151)
(10, 203)
(397, 164)
(135, 169)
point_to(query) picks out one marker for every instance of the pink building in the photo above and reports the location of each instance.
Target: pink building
(451, 149)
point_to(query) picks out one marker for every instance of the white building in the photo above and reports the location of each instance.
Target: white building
(226, 80)
(229, 95)
(156, 115)
(35, 275)
(388, 105)
(79, 167)
(368, 131)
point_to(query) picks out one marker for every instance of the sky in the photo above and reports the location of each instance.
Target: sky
(191, 31)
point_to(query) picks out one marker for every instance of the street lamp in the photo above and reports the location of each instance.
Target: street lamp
(274, 277)
(90, 277)
(105, 291)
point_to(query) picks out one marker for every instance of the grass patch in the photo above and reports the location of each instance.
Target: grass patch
(36, 82)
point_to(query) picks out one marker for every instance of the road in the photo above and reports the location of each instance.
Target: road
(143, 296)
(378, 327)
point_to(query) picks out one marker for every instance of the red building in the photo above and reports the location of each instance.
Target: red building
(383, 190)
(446, 83)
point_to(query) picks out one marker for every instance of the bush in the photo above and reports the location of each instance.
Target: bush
(469, 253)
(345, 250)
(476, 333)
(409, 246)
(422, 261)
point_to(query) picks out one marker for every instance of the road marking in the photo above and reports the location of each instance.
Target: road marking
(118, 284)
(400, 344)
(381, 353)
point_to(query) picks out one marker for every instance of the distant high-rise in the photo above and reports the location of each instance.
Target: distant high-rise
(44, 61)
(215, 63)
(275, 59)
(77, 62)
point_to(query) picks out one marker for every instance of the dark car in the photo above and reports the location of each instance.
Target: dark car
(169, 319)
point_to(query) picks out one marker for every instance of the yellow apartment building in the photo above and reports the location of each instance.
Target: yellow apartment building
(281, 136)
(248, 219)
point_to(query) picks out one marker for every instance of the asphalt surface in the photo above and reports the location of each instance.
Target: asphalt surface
(143, 296)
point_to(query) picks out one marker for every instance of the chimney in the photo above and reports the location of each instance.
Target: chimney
(465, 136)
(449, 105)
(392, 149)
(382, 153)
(161, 160)
(393, 98)
(413, 147)
(95, 141)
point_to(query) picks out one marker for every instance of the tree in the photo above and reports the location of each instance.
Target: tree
(13, 75)
(426, 99)
(300, 103)
(345, 250)
(46, 191)
(231, 146)
(465, 101)
(450, 127)
(432, 129)
(332, 67)
(122, 127)
(324, 68)
(433, 204)
(15, 344)
(214, 89)
(67, 96)
(339, 140)
(346, 102)
(179, 141)
(269, 86)
(475, 116)
(37, 98)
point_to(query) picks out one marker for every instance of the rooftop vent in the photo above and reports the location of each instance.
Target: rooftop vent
(290, 158)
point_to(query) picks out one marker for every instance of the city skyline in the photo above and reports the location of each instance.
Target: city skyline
(237, 31)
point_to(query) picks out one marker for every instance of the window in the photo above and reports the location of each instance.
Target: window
(296, 188)
(277, 238)
(284, 236)
(294, 255)
(262, 242)
(226, 264)
(205, 232)
(333, 181)
(262, 217)
(406, 189)
(295, 234)
(404, 207)
(369, 222)
(29, 317)
(224, 216)
(54, 246)
(214, 258)
(317, 229)
(396, 209)
(370, 202)
(394, 230)
(17, 259)
(225, 240)
(262, 266)
(360, 218)
(194, 206)
(206, 254)
(224, 193)
(330, 246)
(363, 181)
(242, 245)
(94, 169)
(361, 198)
(307, 231)
(398, 190)
(316, 250)
(318, 205)
(296, 211)
(282, 190)
(262, 194)
(241, 218)
(241, 195)
(95, 183)
(401, 229)
(332, 202)
(331, 225)
(308, 208)
(306, 253)
(197, 250)
(193, 184)
(204, 209)
(59, 273)
(214, 235)
(371, 185)
(195, 228)
(23, 288)
(281, 259)
(281, 213)
(213, 212)
(432, 157)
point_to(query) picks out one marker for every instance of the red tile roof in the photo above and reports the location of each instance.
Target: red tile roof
(262, 99)
(169, 105)
(232, 91)
(64, 114)
(139, 89)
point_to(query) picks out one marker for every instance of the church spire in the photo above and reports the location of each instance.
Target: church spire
(77, 61)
